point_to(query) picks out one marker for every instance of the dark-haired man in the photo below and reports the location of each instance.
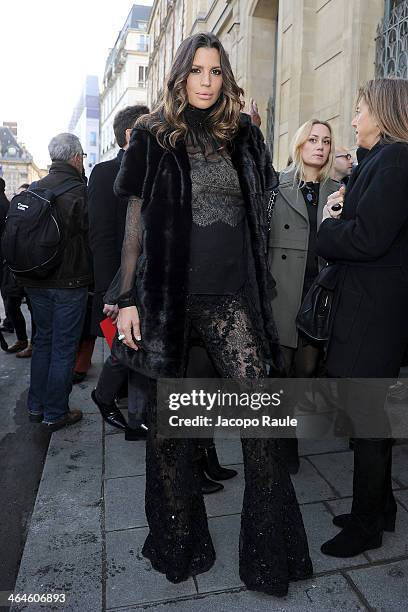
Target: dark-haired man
(107, 215)
(343, 165)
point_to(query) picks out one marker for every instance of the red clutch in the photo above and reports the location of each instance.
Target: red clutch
(108, 330)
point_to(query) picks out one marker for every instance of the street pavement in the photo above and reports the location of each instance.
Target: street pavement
(23, 450)
(88, 527)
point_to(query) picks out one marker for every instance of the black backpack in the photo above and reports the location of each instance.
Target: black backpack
(31, 242)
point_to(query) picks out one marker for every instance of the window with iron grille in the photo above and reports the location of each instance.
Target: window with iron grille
(392, 41)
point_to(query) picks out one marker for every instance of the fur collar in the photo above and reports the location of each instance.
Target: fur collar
(144, 156)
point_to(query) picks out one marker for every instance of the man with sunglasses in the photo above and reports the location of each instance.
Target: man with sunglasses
(343, 165)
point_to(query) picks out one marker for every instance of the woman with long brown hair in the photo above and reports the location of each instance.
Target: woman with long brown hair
(194, 261)
(368, 242)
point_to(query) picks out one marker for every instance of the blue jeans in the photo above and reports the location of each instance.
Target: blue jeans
(59, 316)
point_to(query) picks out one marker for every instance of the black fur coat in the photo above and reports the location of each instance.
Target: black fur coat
(161, 178)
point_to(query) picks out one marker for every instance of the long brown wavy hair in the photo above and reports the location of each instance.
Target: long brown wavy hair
(166, 120)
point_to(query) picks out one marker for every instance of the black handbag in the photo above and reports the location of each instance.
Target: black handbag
(315, 315)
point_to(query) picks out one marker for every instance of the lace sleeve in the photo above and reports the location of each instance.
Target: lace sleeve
(131, 249)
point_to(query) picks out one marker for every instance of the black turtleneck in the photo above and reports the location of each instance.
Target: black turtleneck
(199, 123)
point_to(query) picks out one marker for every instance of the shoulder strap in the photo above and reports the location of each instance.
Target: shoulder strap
(272, 200)
(68, 184)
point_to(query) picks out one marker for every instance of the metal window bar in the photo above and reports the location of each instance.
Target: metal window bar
(392, 42)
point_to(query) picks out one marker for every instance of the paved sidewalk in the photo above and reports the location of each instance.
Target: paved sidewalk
(89, 525)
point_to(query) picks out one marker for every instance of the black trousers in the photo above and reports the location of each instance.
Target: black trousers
(18, 320)
(200, 365)
(272, 547)
(112, 378)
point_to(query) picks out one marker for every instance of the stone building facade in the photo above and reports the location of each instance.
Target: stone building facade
(16, 163)
(124, 80)
(298, 58)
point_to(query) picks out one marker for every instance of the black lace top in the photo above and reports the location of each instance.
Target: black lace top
(217, 258)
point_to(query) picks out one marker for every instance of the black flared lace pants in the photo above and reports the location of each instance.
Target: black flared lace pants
(273, 547)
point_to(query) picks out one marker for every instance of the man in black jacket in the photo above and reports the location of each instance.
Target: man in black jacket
(107, 216)
(7, 325)
(59, 301)
(4, 204)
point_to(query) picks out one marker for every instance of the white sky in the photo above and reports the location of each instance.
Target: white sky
(47, 48)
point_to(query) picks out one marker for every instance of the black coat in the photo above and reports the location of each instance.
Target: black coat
(370, 244)
(75, 269)
(9, 286)
(161, 178)
(107, 216)
(4, 204)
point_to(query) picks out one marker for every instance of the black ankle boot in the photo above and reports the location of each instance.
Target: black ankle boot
(353, 540)
(208, 486)
(211, 465)
(363, 530)
(110, 413)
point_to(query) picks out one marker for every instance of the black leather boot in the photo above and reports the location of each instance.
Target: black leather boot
(211, 466)
(208, 486)
(110, 413)
(363, 530)
(353, 540)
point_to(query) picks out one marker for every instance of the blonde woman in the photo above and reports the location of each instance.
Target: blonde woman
(368, 241)
(199, 178)
(303, 191)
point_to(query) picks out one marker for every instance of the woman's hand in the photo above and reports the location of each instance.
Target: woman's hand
(334, 206)
(128, 322)
(111, 311)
